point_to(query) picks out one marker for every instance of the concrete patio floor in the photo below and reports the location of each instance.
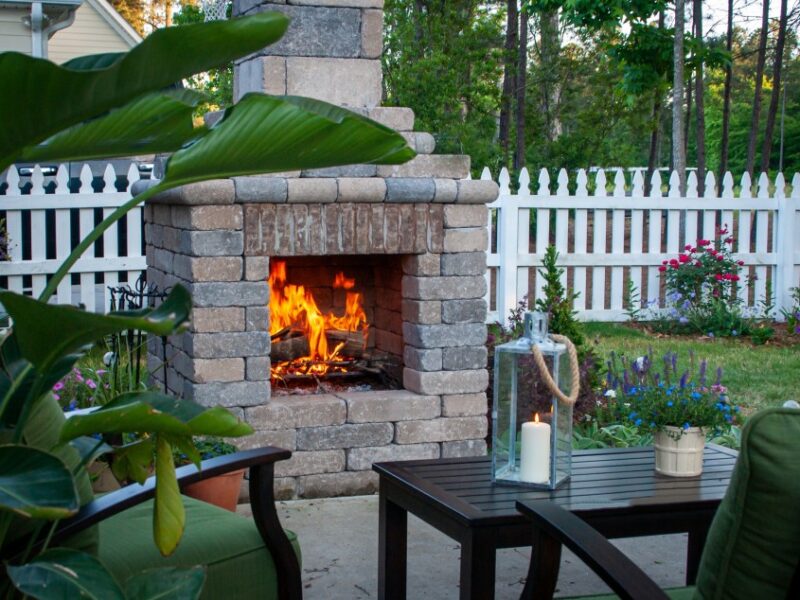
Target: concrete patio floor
(339, 540)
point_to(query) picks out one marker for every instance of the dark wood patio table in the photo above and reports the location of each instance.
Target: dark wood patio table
(615, 490)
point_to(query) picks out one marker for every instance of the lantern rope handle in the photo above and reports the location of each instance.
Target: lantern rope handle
(574, 370)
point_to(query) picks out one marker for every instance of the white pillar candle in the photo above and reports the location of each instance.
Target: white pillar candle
(534, 463)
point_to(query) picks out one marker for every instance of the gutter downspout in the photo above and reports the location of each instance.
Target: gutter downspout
(38, 38)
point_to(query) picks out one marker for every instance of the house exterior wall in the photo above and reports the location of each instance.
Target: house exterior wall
(89, 34)
(14, 36)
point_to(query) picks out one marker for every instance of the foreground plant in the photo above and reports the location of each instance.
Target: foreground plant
(116, 105)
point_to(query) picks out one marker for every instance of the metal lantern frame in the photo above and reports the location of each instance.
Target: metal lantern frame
(507, 418)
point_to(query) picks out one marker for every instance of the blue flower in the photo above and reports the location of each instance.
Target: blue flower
(734, 333)
(669, 403)
(637, 422)
(736, 408)
(683, 320)
(632, 416)
(696, 395)
(686, 426)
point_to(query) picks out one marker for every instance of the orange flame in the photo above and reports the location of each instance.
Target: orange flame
(536, 417)
(293, 306)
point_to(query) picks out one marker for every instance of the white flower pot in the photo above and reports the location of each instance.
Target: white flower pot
(680, 456)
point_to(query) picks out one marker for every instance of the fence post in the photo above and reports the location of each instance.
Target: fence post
(785, 255)
(506, 249)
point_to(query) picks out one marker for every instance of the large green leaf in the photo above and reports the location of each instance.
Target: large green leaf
(134, 461)
(155, 413)
(34, 483)
(168, 583)
(169, 516)
(156, 122)
(263, 134)
(47, 332)
(40, 99)
(65, 573)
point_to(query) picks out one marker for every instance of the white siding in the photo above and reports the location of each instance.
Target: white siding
(14, 35)
(89, 34)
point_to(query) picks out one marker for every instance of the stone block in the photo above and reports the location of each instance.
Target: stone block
(208, 268)
(371, 33)
(207, 370)
(423, 142)
(462, 359)
(447, 166)
(425, 312)
(279, 438)
(422, 264)
(477, 191)
(285, 488)
(354, 189)
(217, 320)
(464, 263)
(256, 268)
(441, 430)
(422, 360)
(409, 189)
(467, 239)
(215, 191)
(342, 171)
(238, 393)
(389, 342)
(446, 382)
(350, 82)
(240, 293)
(446, 190)
(261, 74)
(464, 448)
(473, 215)
(390, 405)
(207, 217)
(464, 311)
(298, 411)
(257, 318)
(312, 190)
(163, 260)
(361, 459)
(319, 31)
(257, 368)
(261, 188)
(222, 242)
(330, 485)
(345, 436)
(310, 463)
(394, 117)
(443, 288)
(228, 345)
(464, 405)
(444, 336)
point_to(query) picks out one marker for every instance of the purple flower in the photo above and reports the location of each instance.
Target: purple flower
(57, 397)
(58, 386)
(91, 384)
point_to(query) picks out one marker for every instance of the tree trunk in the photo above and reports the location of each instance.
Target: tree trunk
(551, 88)
(687, 128)
(678, 148)
(509, 79)
(655, 131)
(777, 69)
(699, 101)
(522, 82)
(756, 116)
(726, 99)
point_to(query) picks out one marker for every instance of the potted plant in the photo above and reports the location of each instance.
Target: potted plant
(680, 408)
(223, 490)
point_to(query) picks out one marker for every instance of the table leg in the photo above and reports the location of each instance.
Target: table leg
(392, 549)
(697, 540)
(544, 566)
(478, 556)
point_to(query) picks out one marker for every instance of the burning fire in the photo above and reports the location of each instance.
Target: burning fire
(293, 308)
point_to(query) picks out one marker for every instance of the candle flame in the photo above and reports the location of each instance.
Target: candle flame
(536, 417)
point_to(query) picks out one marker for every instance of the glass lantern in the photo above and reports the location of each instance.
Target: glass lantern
(531, 427)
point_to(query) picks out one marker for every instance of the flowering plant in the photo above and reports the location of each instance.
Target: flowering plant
(639, 394)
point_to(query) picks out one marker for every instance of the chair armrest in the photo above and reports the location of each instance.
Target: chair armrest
(131, 495)
(553, 526)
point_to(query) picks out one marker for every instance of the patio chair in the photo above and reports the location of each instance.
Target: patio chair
(753, 546)
(244, 558)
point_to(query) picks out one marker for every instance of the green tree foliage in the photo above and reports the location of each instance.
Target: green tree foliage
(444, 60)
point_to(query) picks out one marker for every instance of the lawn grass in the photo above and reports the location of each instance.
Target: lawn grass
(756, 376)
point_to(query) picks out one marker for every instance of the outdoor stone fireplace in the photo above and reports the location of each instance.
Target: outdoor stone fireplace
(413, 237)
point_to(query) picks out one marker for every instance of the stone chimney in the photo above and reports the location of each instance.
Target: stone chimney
(331, 51)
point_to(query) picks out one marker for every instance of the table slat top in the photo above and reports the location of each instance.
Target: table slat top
(602, 480)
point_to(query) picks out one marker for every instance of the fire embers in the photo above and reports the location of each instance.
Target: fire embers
(306, 342)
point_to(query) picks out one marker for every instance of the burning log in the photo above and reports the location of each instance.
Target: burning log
(289, 349)
(354, 342)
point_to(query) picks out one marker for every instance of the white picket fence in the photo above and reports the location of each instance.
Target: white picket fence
(616, 233)
(36, 250)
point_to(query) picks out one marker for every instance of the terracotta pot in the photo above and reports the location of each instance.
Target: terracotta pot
(679, 456)
(222, 490)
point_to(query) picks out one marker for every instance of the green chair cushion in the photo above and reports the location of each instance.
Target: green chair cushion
(682, 593)
(753, 546)
(237, 563)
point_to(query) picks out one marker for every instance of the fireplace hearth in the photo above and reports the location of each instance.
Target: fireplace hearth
(406, 367)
